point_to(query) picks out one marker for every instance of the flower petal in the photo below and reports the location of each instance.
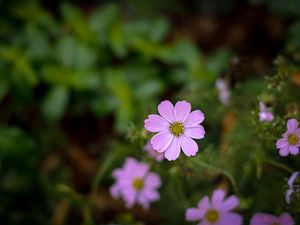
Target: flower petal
(286, 219)
(192, 214)
(230, 203)
(284, 151)
(166, 110)
(196, 132)
(292, 125)
(182, 110)
(282, 142)
(203, 206)
(194, 118)
(161, 141)
(152, 180)
(288, 195)
(156, 123)
(262, 219)
(292, 178)
(217, 198)
(188, 145)
(230, 218)
(173, 151)
(294, 150)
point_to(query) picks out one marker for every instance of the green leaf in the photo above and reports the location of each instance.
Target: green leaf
(55, 103)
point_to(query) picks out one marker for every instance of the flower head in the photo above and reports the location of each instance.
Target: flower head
(293, 187)
(135, 184)
(176, 126)
(224, 92)
(153, 153)
(268, 219)
(216, 211)
(265, 114)
(290, 141)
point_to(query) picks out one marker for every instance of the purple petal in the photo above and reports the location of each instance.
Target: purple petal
(288, 195)
(294, 150)
(166, 110)
(217, 198)
(129, 196)
(262, 219)
(182, 110)
(150, 194)
(230, 203)
(196, 132)
(173, 151)
(156, 123)
(189, 146)
(161, 141)
(203, 206)
(114, 191)
(286, 219)
(284, 151)
(192, 214)
(194, 118)
(143, 201)
(152, 180)
(230, 219)
(292, 178)
(282, 142)
(204, 222)
(292, 125)
(262, 107)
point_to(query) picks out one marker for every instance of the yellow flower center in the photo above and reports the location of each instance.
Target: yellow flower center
(138, 184)
(212, 216)
(293, 139)
(177, 128)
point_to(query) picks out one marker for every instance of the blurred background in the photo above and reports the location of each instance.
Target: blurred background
(78, 78)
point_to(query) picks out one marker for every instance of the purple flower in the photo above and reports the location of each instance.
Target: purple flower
(293, 187)
(224, 92)
(215, 212)
(135, 184)
(176, 126)
(290, 141)
(153, 153)
(265, 114)
(268, 219)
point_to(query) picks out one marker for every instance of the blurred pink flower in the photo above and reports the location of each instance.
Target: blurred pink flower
(135, 184)
(153, 153)
(176, 126)
(265, 115)
(293, 187)
(268, 219)
(224, 92)
(215, 212)
(290, 141)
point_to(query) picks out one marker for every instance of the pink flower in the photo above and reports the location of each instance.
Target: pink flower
(176, 127)
(268, 219)
(290, 141)
(135, 184)
(215, 212)
(265, 114)
(224, 92)
(153, 153)
(293, 187)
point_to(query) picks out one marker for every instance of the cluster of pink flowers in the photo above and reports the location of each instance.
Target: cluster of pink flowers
(175, 128)
(218, 211)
